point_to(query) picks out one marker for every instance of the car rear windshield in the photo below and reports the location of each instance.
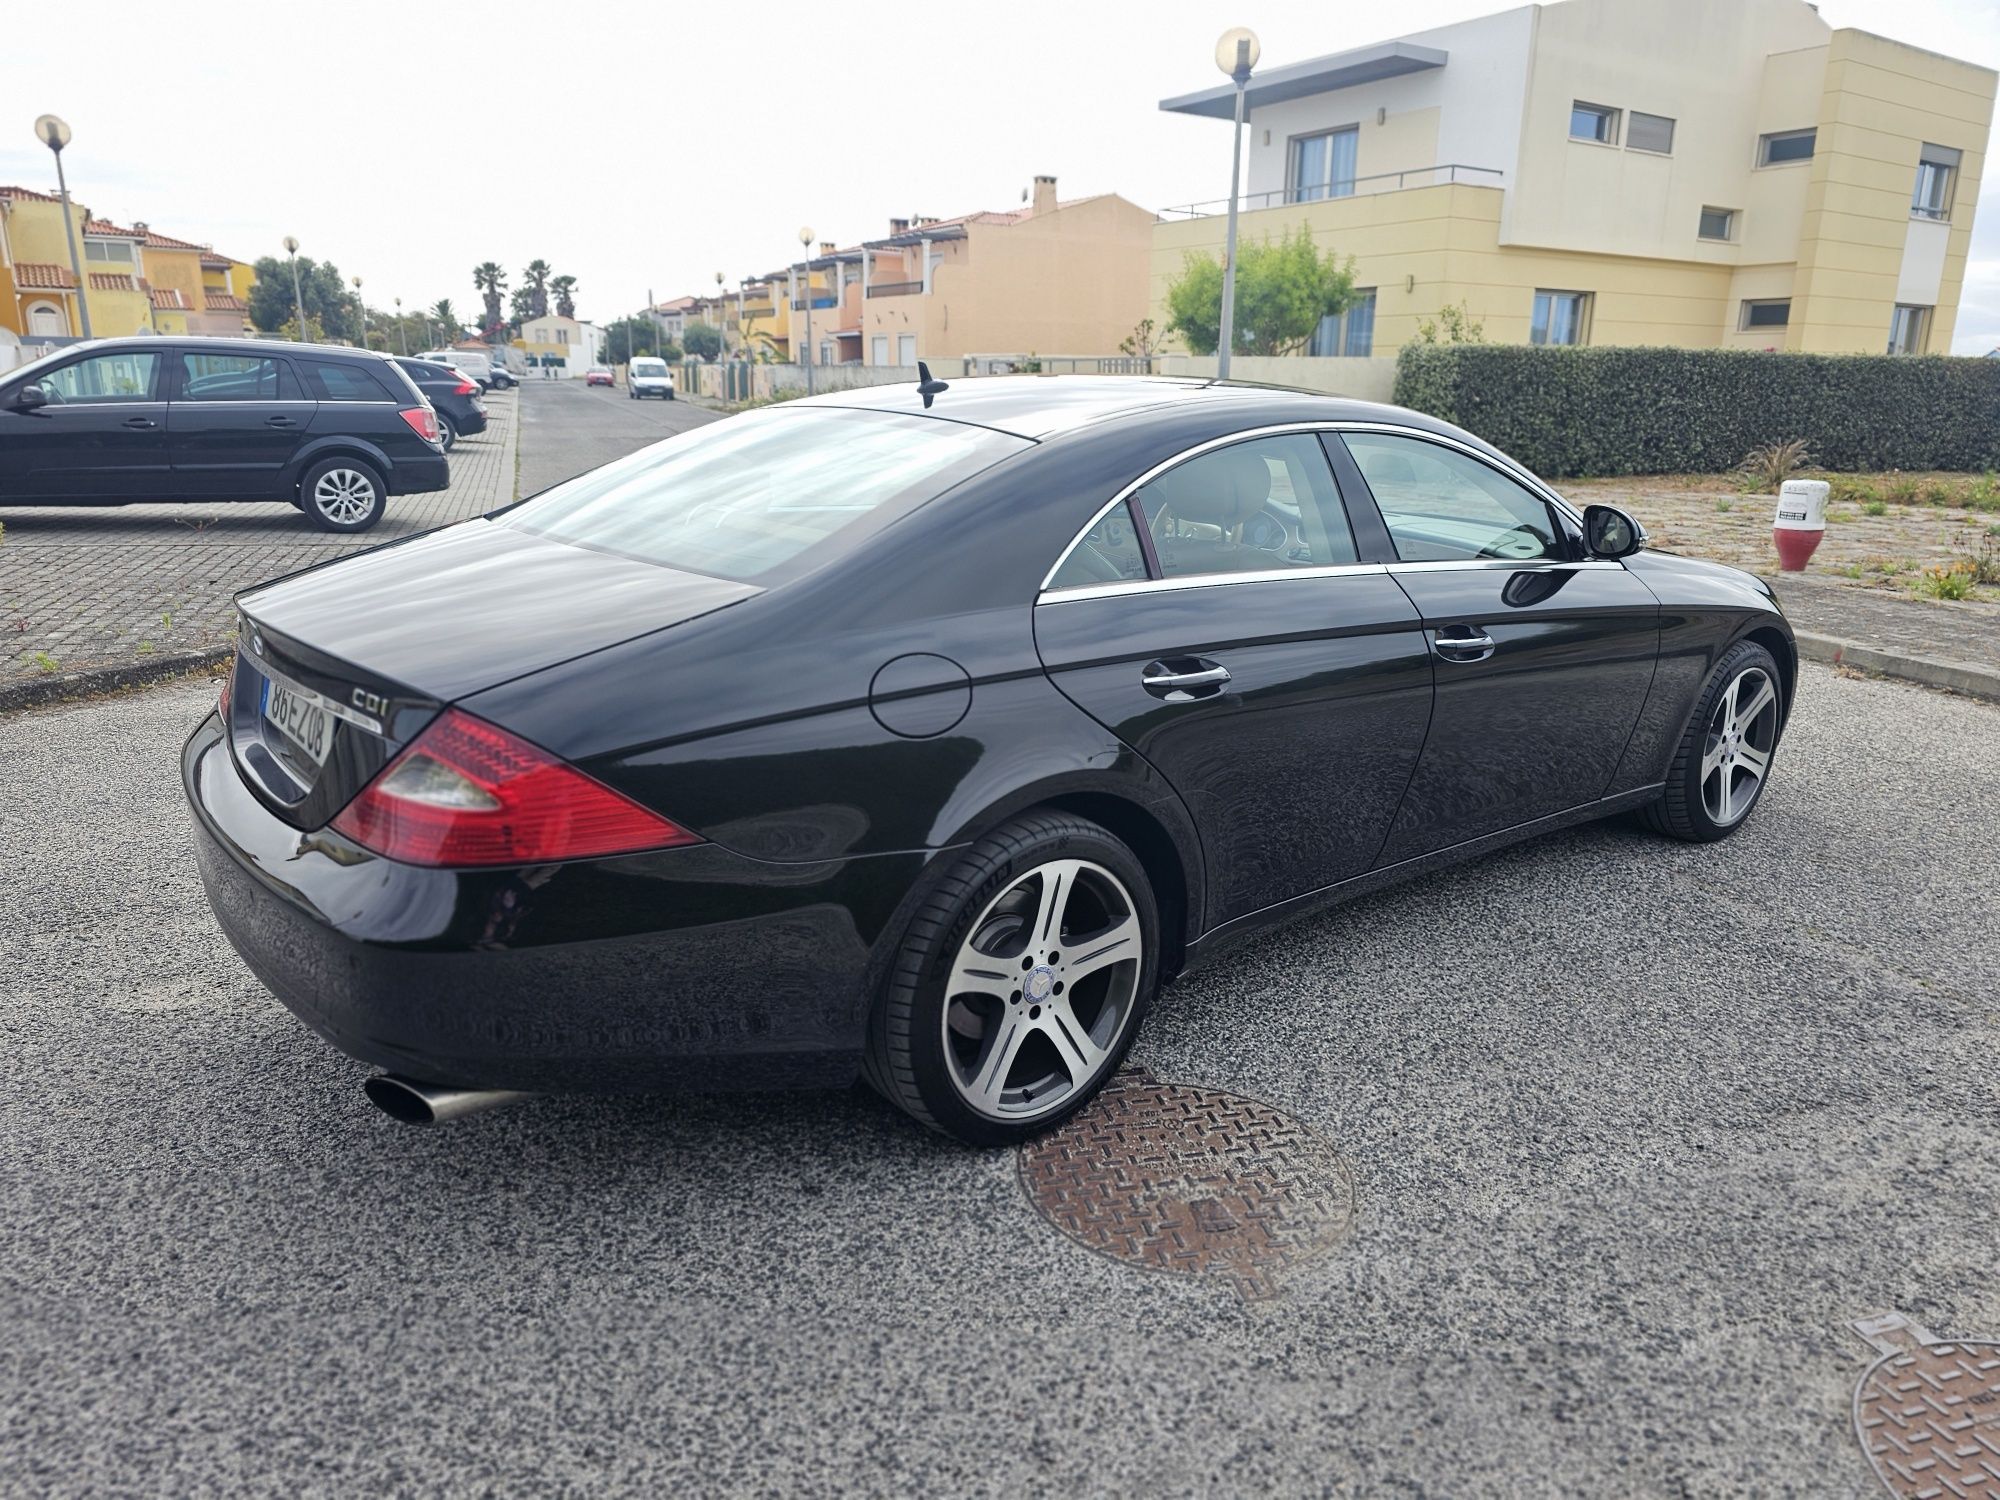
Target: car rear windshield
(747, 497)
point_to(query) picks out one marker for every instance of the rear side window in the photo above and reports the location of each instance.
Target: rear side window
(234, 377)
(744, 498)
(1441, 505)
(336, 381)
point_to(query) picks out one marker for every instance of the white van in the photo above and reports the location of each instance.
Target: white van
(476, 366)
(648, 375)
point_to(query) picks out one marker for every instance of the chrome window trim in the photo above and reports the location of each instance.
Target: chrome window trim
(1479, 564)
(1504, 466)
(1203, 581)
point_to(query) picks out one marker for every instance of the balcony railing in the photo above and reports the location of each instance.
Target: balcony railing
(819, 304)
(895, 288)
(1353, 187)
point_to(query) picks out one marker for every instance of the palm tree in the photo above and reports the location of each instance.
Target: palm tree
(491, 282)
(565, 289)
(538, 285)
(447, 317)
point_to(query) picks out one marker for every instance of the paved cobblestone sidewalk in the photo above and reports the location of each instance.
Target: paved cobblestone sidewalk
(88, 589)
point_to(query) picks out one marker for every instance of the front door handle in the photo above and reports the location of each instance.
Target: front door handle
(279, 422)
(140, 423)
(1185, 679)
(1464, 643)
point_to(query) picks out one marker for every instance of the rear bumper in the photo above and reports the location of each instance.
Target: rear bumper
(470, 421)
(419, 474)
(691, 967)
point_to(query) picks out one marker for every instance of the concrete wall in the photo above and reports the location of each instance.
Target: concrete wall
(1363, 379)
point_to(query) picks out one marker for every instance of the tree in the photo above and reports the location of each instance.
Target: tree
(1282, 292)
(627, 336)
(1142, 342)
(490, 281)
(522, 307)
(537, 272)
(702, 340)
(447, 317)
(1452, 325)
(565, 289)
(329, 301)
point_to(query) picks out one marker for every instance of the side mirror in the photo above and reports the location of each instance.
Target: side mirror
(29, 397)
(1609, 532)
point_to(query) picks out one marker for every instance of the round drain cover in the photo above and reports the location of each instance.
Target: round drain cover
(1929, 1419)
(1176, 1178)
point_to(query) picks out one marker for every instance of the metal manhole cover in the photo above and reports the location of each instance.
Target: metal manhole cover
(1191, 1180)
(1928, 1411)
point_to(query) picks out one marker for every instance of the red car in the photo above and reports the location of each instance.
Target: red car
(600, 376)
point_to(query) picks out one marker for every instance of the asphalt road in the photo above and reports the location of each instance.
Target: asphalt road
(1635, 1130)
(567, 427)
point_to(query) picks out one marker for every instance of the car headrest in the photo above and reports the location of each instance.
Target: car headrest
(1223, 489)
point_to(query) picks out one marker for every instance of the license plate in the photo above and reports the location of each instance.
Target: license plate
(300, 715)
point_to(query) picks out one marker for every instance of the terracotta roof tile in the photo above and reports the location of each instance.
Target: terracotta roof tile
(157, 241)
(169, 299)
(21, 192)
(105, 229)
(223, 302)
(112, 281)
(210, 261)
(43, 275)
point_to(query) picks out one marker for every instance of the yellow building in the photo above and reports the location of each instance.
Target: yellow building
(225, 294)
(559, 347)
(1704, 173)
(114, 270)
(40, 289)
(174, 276)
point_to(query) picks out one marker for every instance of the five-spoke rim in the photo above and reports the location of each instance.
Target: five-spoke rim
(1736, 755)
(1041, 990)
(344, 495)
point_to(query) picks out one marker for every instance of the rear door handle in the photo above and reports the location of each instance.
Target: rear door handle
(1185, 680)
(279, 422)
(140, 422)
(1466, 643)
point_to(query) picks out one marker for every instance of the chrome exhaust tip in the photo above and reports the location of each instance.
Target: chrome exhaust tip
(417, 1103)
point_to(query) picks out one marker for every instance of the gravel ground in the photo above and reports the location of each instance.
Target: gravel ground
(1635, 1130)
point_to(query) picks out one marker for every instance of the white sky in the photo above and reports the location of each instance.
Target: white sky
(649, 145)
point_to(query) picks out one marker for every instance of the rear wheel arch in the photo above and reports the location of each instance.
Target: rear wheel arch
(1143, 833)
(352, 451)
(1784, 651)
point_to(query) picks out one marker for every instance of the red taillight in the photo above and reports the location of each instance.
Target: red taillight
(464, 388)
(466, 792)
(424, 420)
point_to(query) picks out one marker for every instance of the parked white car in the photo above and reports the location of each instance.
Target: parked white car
(648, 375)
(476, 367)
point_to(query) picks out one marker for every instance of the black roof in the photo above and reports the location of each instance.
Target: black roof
(1040, 406)
(218, 345)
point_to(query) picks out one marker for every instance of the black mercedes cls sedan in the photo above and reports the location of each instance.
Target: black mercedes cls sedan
(924, 733)
(333, 431)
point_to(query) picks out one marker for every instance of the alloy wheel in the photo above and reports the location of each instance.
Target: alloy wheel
(1736, 755)
(1041, 990)
(344, 496)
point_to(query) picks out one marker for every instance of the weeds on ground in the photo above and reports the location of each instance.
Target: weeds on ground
(1771, 464)
(1725, 505)
(1953, 582)
(44, 663)
(1876, 508)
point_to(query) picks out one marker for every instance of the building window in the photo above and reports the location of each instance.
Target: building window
(1593, 122)
(115, 252)
(1909, 328)
(1773, 312)
(1650, 133)
(1717, 223)
(1350, 333)
(1785, 146)
(1323, 165)
(1560, 318)
(825, 352)
(1936, 167)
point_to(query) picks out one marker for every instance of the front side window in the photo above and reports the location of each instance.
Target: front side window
(1323, 165)
(743, 498)
(1650, 133)
(1593, 122)
(1249, 508)
(1441, 505)
(1350, 333)
(1774, 312)
(1560, 318)
(1936, 167)
(103, 377)
(1718, 224)
(1909, 329)
(1786, 146)
(230, 377)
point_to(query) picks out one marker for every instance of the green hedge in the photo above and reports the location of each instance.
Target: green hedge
(1699, 411)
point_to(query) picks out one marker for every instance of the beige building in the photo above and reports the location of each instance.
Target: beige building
(1051, 277)
(1704, 173)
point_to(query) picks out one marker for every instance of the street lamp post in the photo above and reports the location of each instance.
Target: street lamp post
(402, 334)
(298, 302)
(53, 133)
(806, 239)
(364, 311)
(1236, 54)
(721, 322)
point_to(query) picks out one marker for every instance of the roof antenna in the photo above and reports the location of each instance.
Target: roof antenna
(927, 387)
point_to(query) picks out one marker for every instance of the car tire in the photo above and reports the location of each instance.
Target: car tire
(342, 494)
(1725, 758)
(992, 1031)
(447, 433)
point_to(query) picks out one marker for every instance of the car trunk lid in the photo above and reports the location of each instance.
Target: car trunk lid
(340, 666)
